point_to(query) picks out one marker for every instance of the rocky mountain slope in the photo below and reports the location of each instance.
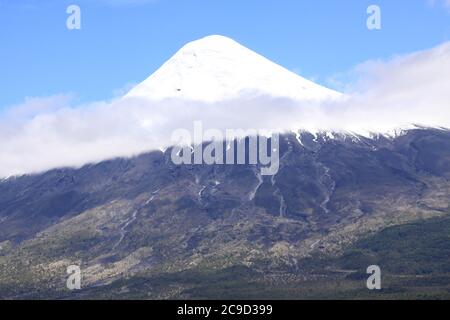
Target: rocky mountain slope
(146, 218)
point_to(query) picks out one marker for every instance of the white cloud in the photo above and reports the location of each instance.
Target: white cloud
(44, 133)
(444, 3)
(35, 106)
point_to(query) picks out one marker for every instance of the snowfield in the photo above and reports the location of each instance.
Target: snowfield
(218, 68)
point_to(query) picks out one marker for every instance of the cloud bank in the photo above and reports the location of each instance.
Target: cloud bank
(46, 133)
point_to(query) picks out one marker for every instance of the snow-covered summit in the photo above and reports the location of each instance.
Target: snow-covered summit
(217, 68)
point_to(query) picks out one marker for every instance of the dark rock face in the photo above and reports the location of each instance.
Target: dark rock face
(326, 192)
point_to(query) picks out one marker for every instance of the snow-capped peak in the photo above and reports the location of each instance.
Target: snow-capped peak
(217, 68)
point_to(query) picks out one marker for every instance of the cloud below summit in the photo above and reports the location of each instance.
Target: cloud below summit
(44, 133)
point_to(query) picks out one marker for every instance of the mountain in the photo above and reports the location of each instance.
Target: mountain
(145, 228)
(217, 68)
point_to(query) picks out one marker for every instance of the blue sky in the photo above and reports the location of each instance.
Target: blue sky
(123, 41)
